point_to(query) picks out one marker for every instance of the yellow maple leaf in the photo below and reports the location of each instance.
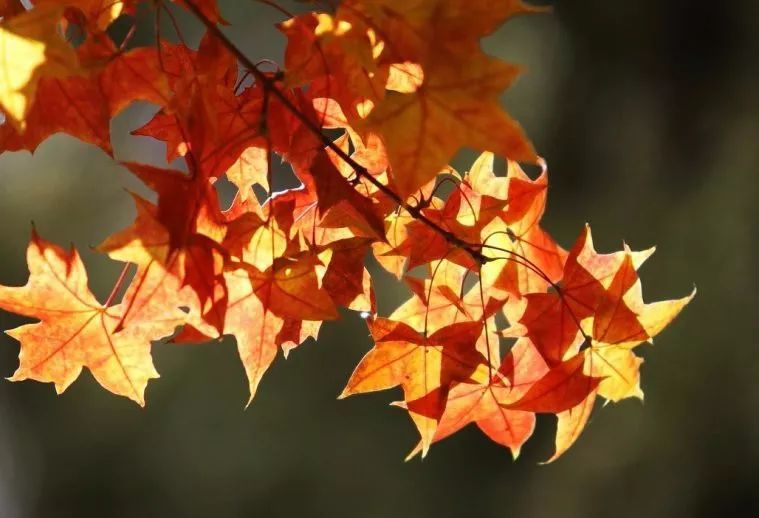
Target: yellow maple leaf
(31, 47)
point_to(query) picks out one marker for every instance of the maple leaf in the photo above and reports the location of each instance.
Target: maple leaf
(75, 330)
(337, 54)
(570, 424)
(436, 302)
(266, 314)
(621, 322)
(528, 257)
(191, 263)
(485, 403)
(205, 120)
(83, 106)
(255, 329)
(373, 101)
(600, 299)
(335, 192)
(346, 279)
(31, 47)
(561, 388)
(552, 320)
(251, 168)
(389, 253)
(450, 98)
(623, 318)
(425, 367)
(456, 106)
(424, 243)
(289, 288)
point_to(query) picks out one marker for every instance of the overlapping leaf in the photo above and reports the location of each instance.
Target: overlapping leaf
(31, 48)
(371, 103)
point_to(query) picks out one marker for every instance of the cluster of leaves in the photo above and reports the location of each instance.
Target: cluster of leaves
(502, 322)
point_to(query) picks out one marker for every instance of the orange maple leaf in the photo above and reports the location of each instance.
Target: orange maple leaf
(486, 403)
(425, 367)
(83, 106)
(372, 102)
(75, 330)
(456, 106)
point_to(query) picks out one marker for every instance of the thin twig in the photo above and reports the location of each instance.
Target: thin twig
(117, 287)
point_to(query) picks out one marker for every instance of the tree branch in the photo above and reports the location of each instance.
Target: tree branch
(269, 85)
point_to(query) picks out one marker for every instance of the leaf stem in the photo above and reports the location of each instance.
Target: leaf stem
(118, 285)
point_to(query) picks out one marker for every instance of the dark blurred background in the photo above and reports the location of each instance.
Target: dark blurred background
(648, 115)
